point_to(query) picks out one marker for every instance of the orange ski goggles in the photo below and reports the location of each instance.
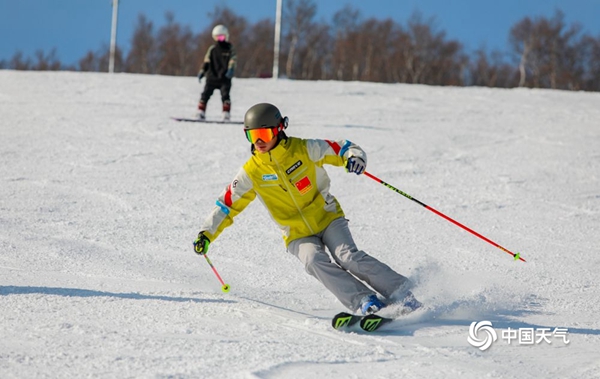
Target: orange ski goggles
(264, 134)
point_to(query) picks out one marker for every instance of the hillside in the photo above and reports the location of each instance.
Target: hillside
(102, 194)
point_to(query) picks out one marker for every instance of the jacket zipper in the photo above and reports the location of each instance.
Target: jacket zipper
(280, 171)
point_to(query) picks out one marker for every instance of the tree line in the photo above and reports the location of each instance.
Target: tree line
(544, 52)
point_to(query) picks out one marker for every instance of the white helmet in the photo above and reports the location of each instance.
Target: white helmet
(220, 30)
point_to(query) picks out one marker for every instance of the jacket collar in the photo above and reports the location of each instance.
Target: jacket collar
(277, 153)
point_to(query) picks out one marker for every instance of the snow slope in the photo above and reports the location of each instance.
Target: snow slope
(101, 196)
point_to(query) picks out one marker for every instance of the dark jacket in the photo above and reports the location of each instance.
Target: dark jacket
(219, 58)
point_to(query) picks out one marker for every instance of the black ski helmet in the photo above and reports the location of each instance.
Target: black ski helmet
(264, 115)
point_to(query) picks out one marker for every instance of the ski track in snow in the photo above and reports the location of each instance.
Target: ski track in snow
(101, 196)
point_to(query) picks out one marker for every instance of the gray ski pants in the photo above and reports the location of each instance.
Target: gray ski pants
(345, 268)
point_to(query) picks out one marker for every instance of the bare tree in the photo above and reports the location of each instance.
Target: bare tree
(491, 71)
(523, 40)
(43, 61)
(103, 58)
(371, 49)
(89, 62)
(421, 53)
(549, 51)
(18, 62)
(591, 77)
(175, 45)
(142, 56)
(46, 62)
(345, 24)
(428, 58)
(314, 56)
(557, 51)
(258, 59)
(298, 21)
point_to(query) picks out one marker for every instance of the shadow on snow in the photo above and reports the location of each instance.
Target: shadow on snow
(443, 315)
(77, 292)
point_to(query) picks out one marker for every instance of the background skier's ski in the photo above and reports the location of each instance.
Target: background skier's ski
(206, 121)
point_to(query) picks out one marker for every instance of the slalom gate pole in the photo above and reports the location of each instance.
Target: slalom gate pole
(224, 287)
(516, 256)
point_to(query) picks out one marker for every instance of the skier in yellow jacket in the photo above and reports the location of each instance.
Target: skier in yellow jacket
(287, 176)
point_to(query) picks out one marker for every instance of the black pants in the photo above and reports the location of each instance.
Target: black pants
(223, 85)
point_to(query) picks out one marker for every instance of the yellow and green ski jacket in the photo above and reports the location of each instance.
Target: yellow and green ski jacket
(292, 184)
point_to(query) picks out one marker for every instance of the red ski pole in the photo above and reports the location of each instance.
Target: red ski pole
(515, 255)
(224, 287)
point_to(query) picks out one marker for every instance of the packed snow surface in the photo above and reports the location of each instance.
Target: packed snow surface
(102, 194)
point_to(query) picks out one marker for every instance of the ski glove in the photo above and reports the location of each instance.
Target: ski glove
(356, 165)
(200, 76)
(229, 73)
(201, 244)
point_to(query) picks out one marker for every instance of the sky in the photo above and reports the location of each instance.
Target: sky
(75, 27)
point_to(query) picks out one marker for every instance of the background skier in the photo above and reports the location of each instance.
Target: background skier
(218, 67)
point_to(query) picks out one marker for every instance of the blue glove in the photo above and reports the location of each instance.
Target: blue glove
(229, 73)
(201, 244)
(200, 76)
(356, 165)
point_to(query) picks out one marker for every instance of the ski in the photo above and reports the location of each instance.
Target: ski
(183, 119)
(368, 323)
